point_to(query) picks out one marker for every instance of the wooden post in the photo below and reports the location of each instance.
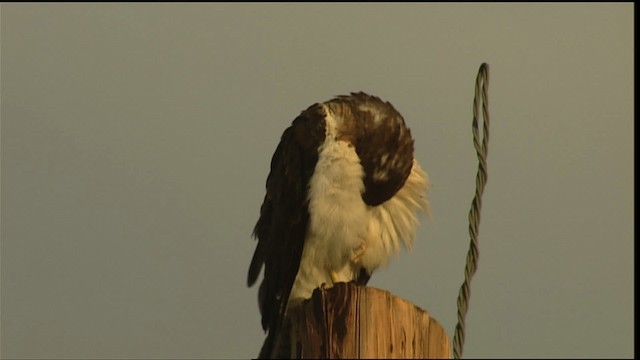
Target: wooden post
(357, 322)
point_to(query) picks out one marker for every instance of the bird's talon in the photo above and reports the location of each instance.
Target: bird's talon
(334, 277)
(358, 252)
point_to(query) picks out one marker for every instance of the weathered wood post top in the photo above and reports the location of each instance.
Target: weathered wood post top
(358, 322)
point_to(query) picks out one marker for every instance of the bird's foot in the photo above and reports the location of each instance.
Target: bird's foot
(334, 277)
(358, 252)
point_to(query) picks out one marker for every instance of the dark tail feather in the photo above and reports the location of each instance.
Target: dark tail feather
(277, 344)
(265, 351)
(256, 265)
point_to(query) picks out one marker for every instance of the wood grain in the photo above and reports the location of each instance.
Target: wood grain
(357, 322)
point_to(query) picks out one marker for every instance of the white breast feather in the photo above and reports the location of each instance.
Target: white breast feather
(340, 221)
(393, 223)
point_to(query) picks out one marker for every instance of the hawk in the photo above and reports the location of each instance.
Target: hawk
(342, 196)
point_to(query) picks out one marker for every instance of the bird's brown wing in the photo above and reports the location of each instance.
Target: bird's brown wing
(284, 215)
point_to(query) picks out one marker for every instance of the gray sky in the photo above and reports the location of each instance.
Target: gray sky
(136, 140)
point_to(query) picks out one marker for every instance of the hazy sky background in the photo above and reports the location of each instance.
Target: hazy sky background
(136, 140)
